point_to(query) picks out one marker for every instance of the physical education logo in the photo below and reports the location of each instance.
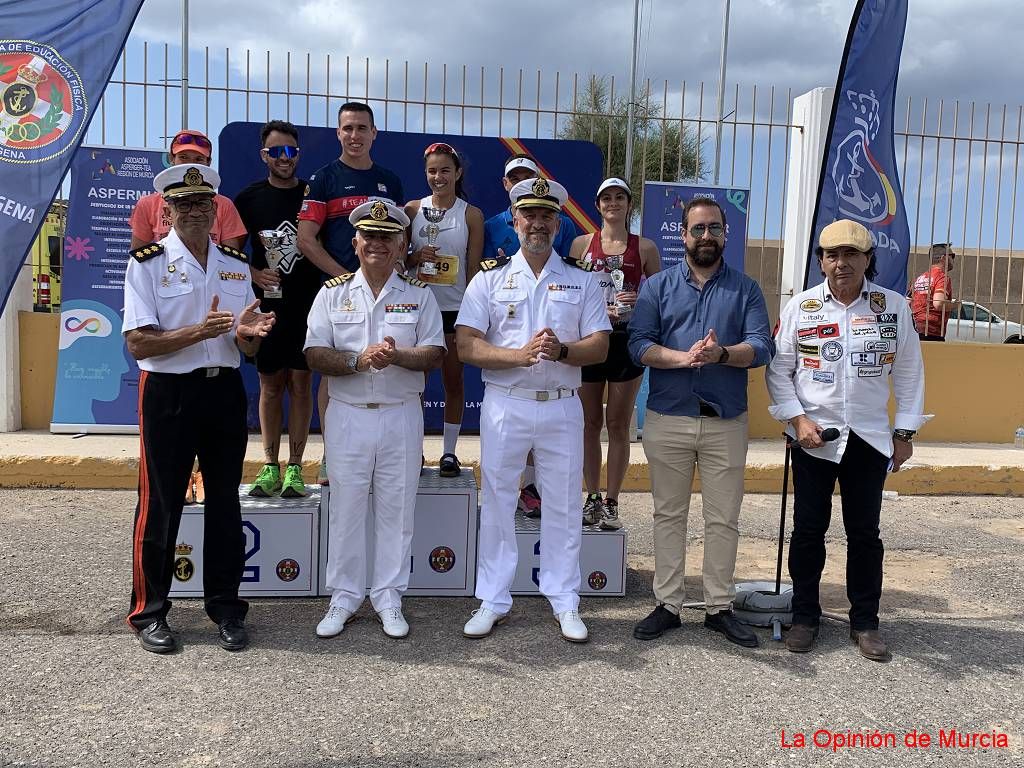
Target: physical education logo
(42, 102)
(597, 580)
(288, 569)
(442, 559)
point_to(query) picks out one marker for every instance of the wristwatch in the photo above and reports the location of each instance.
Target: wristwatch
(906, 435)
(352, 360)
(563, 352)
(724, 357)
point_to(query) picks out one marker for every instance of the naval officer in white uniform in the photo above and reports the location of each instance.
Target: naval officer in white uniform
(531, 321)
(372, 333)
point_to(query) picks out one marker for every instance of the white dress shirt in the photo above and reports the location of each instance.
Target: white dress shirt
(171, 291)
(508, 304)
(833, 364)
(348, 318)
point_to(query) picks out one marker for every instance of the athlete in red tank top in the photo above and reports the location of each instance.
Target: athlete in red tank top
(632, 267)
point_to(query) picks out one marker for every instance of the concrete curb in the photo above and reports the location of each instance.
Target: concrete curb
(85, 472)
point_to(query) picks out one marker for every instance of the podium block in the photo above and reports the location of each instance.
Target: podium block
(443, 541)
(602, 560)
(281, 547)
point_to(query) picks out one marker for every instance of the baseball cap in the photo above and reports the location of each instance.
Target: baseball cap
(521, 162)
(196, 141)
(614, 182)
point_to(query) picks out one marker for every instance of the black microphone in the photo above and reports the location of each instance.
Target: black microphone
(828, 435)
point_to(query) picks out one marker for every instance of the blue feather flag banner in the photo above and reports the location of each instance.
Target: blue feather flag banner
(56, 57)
(859, 178)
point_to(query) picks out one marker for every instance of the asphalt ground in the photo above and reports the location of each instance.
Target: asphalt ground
(77, 690)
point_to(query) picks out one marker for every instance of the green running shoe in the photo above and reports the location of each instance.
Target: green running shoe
(294, 486)
(268, 481)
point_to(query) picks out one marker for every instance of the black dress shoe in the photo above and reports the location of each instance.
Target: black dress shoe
(232, 634)
(656, 623)
(158, 638)
(731, 627)
(449, 466)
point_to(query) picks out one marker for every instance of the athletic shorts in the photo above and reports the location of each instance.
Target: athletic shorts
(618, 366)
(282, 347)
(448, 321)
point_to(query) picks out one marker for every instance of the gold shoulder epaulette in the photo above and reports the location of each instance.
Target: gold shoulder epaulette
(586, 266)
(487, 264)
(413, 281)
(146, 252)
(334, 282)
(229, 251)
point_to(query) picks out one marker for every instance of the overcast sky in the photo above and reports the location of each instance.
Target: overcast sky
(967, 49)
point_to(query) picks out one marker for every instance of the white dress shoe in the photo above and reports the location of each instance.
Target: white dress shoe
(333, 622)
(573, 628)
(393, 622)
(482, 622)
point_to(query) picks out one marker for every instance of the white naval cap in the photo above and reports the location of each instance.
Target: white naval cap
(521, 162)
(379, 216)
(538, 193)
(185, 180)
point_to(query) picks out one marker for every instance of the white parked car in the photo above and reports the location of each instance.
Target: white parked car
(975, 322)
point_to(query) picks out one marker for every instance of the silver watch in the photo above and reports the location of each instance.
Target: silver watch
(352, 359)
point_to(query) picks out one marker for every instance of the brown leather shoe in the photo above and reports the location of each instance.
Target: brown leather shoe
(870, 644)
(800, 638)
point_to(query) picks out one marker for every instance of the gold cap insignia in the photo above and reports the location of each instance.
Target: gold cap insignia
(540, 187)
(193, 177)
(378, 211)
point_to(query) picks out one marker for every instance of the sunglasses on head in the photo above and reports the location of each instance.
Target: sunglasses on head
(440, 146)
(184, 139)
(278, 152)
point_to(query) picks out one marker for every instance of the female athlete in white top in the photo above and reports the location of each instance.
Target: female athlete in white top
(447, 267)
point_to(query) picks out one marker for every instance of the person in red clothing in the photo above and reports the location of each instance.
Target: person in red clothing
(931, 295)
(612, 250)
(151, 218)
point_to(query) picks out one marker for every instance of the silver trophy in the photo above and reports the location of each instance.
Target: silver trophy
(272, 240)
(619, 281)
(433, 217)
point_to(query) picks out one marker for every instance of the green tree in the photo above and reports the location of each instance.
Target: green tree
(662, 149)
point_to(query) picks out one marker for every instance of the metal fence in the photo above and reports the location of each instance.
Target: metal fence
(959, 162)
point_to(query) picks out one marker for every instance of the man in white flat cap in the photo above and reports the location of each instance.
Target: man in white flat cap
(372, 333)
(530, 321)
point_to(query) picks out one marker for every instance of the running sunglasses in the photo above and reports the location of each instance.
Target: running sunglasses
(440, 146)
(184, 139)
(287, 152)
(698, 230)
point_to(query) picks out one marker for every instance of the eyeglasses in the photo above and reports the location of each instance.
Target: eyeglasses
(184, 139)
(440, 146)
(288, 152)
(698, 230)
(203, 205)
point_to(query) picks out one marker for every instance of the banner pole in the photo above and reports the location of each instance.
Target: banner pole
(184, 64)
(721, 92)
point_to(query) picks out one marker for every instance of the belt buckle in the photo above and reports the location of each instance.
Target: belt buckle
(211, 372)
(373, 406)
(542, 395)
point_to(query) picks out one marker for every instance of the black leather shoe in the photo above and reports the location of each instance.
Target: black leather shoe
(232, 634)
(731, 627)
(158, 638)
(449, 466)
(657, 622)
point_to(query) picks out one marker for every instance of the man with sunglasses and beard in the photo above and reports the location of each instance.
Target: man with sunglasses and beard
(698, 326)
(273, 204)
(151, 218)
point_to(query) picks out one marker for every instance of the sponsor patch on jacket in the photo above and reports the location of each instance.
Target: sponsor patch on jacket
(858, 359)
(876, 346)
(876, 301)
(808, 349)
(823, 377)
(863, 320)
(865, 330)
(829, 331)
(811, 362)
(869, 372)
(887, 319)
(810, 305)
(888, 358)
(812, 318)
(887, 331)
(807, 333)
(831, 350)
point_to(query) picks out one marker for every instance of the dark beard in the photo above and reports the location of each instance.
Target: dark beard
(705, 257)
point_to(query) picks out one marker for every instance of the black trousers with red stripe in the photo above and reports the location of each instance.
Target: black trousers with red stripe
(182, 417)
